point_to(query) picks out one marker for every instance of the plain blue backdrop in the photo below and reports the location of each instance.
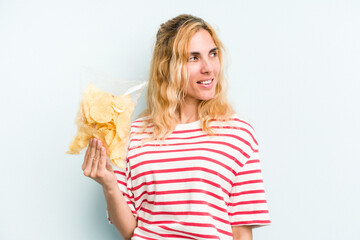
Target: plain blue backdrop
(293, 70)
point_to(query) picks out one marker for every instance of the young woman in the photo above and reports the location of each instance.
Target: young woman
(192, 167)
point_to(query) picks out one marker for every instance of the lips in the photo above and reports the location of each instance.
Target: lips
(205, 81)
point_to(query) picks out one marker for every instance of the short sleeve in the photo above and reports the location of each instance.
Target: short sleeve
(124, 182)
(248, 205)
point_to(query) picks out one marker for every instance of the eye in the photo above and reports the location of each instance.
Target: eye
(213, 54)
(192, 58)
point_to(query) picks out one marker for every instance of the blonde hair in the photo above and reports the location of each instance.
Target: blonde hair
(168, 78)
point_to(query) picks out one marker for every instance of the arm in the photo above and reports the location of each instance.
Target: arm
(242, 232)
(119, 212)
(96, 167)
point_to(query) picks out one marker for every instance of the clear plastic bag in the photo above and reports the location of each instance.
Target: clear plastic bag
(105, 113)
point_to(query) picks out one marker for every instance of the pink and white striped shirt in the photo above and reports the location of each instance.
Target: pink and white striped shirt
(192, 185)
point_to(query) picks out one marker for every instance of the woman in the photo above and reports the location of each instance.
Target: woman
(192, 167)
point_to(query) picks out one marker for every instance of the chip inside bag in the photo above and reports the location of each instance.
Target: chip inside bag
(106, 117)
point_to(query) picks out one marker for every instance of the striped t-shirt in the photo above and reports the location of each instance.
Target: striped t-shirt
(192, 185)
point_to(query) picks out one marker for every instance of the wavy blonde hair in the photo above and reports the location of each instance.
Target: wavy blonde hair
(168, 78)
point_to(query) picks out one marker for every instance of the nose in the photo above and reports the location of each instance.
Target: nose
(206, 66)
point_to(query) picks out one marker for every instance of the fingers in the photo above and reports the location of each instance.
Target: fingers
(95, 159)
(102, 163)
(90, 157)
(95, 163)
(96, 166)
(86, 156)
(108, 166)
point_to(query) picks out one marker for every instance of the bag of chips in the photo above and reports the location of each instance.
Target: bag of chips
(106, 116)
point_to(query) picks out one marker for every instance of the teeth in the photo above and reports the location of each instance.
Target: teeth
(206, 82)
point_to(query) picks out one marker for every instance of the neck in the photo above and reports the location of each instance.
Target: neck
(188, 113)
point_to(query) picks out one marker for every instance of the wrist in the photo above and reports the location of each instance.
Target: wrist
(110, 188)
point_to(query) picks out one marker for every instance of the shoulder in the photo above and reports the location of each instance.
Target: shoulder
(239, 128)
(236, 122)
(139, 125)
(140, 121)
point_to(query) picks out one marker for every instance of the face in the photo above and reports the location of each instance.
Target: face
(203, 67)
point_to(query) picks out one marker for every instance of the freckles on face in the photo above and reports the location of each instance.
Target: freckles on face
(202, 67)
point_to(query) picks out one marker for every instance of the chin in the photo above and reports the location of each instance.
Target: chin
(206, 98)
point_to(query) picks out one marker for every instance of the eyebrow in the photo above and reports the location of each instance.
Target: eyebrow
(197, 53)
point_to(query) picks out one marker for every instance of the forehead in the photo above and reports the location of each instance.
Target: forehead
(201, 41)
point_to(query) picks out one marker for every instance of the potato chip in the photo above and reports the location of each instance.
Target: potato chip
(122, 102)
(81, 140)
(117, 151)
(109, 137)
(101, 113)
(88, 100)
(107, 118)
(122, 122)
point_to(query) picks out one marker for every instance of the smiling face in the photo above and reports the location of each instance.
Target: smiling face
(202, 67)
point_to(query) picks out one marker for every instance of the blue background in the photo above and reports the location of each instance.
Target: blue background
(293, 73)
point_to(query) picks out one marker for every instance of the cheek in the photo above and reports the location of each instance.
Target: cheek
(192, 73)
(216, 67)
